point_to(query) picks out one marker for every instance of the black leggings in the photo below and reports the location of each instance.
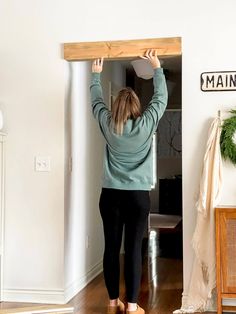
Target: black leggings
(130, 209)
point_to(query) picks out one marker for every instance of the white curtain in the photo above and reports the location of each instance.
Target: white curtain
(200, 296)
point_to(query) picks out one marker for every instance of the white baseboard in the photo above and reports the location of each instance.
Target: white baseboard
(78, 284)
(33, 296)
(52, 296)
(44, 309)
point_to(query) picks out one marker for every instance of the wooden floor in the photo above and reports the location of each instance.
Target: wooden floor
(161, 288)
(161, 295)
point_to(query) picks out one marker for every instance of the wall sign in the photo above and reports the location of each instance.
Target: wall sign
(218, 81)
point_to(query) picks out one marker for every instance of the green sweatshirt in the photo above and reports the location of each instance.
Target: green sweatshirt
(128, 159)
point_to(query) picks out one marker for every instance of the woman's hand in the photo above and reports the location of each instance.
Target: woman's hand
(97, 65)
(151, 56)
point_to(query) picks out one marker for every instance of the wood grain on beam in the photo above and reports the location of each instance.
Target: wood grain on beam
(123, 49)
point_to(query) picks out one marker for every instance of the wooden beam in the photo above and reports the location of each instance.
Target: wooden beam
(122, 49)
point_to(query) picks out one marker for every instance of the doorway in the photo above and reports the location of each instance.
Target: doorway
(165, 223)
(121, 53)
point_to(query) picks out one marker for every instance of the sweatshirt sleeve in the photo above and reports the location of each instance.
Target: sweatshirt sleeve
(99, 108)
(158, 104)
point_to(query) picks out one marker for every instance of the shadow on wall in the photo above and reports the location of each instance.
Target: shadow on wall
(83, 142)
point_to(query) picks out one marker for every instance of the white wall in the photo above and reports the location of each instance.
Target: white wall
(83, 227)
(32, 99)
(32, 95)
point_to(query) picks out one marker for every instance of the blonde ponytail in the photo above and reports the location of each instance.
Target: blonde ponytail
(126, 106)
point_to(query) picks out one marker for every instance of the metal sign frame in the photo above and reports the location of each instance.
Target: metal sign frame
(219, 81)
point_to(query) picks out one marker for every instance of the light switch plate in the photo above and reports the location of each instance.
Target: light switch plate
(42, 163)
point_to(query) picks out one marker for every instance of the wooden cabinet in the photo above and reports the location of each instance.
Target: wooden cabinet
(225, 255)
(2, 202)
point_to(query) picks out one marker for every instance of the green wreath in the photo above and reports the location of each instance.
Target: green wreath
(227, 138)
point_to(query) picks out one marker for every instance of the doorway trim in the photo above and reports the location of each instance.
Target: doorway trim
(121, 49)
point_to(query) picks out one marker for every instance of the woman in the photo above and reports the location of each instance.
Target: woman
(127, 178)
